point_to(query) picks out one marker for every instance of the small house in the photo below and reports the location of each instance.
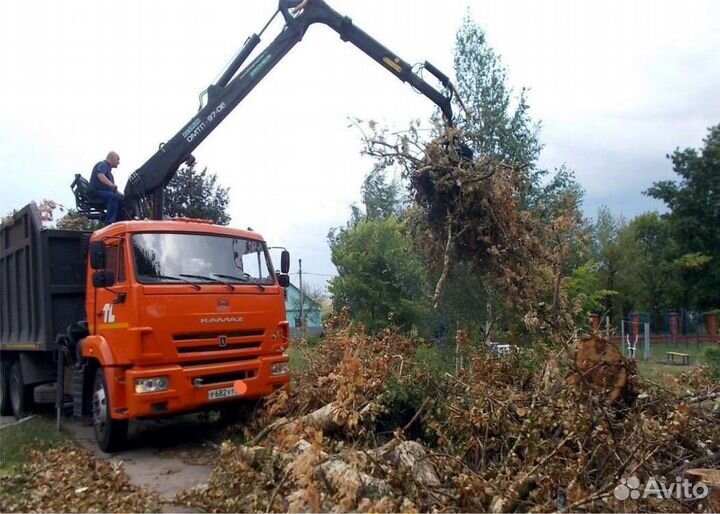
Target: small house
(311, 314)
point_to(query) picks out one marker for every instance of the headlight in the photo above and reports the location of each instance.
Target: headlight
(280, 368)
(151, 385)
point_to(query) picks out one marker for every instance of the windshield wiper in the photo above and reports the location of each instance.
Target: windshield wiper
(244, 278)
(211, 279)
(170, 277)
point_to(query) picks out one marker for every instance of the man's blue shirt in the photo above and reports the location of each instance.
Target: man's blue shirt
(104, 168)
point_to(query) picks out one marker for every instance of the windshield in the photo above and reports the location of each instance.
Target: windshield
(199, 258)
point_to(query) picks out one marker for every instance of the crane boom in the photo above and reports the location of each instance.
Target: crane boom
(145, 188)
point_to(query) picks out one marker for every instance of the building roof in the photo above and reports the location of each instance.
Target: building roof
(308, 300)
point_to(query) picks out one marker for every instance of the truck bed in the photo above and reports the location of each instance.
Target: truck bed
(42, 281)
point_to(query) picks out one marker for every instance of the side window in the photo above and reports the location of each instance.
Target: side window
(121, 263)
(115, 260)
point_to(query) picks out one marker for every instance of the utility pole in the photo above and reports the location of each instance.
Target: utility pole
(302, 299)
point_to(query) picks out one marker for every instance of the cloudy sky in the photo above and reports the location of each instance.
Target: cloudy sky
(616, 85)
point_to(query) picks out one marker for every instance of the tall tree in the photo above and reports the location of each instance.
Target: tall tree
(494, 127)
(648, 274)
(380, 279)
(515, 227)
(499, 126)
(382, 199)
(197, 194)
(694, 217)
(606, 252)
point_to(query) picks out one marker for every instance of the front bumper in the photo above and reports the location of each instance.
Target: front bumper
(189, 386)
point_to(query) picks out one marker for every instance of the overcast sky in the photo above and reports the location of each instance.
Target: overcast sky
(616, 85)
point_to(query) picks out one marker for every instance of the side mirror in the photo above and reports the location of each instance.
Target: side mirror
(97, 255)
(103, 278)
(285, 261)
(283, 280)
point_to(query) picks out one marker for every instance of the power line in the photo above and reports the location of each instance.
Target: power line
(314, 274)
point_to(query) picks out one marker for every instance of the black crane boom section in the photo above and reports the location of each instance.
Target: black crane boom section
(145, 187)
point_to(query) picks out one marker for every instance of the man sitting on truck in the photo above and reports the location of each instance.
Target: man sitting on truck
(103, 184)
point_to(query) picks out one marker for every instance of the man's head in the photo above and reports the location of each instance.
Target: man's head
(113, 159)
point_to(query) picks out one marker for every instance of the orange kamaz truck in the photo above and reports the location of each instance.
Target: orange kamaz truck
(148, 319)
(151, 318)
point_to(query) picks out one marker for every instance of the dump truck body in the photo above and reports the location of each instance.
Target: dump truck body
(42, 282)
(172, 313)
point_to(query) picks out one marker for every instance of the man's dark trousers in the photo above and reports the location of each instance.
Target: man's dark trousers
(112, 203)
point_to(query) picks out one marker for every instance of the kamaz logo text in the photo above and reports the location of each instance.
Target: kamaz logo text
(223, 319)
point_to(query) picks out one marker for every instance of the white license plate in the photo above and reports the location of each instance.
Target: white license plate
(218, 394)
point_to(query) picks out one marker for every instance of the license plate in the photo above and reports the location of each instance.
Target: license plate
(219, 394)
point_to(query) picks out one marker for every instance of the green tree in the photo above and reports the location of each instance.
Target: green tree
(381, 198)
(492, 125)
(694, 218)
(467, 304)
(649, 271)
(585, 286)
(73, 220)
(511, 225)
(498, 125)
(197, 194)
(380, 279)
(606, 253)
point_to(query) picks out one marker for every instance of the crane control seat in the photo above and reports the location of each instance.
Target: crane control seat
(87, 202)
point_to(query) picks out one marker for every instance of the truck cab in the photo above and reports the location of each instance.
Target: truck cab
(179, 311)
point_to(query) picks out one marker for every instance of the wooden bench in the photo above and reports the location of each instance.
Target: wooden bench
(685, 357)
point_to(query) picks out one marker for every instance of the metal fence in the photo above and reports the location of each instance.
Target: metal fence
(643, 333)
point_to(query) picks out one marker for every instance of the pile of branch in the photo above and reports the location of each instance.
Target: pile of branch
(475, 211)
(370, 427)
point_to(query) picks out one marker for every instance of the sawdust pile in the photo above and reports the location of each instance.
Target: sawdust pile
(379, 424)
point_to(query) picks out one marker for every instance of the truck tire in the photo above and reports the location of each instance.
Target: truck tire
(110, 433)
(20, 394)
(5, 406)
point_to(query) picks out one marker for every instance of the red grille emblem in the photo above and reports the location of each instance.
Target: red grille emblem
(223, 305)
(222, 341)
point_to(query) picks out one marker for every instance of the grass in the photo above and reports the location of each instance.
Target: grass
(16, 441)
(299, 354)
(298, 361)
(657, 367)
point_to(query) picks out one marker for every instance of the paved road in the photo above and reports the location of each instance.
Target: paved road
(166, 457)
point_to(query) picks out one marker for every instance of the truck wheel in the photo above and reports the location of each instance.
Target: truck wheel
(20, 394)
(5, 406)
(110, 433)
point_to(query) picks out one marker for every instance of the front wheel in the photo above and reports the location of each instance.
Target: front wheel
(110, 433)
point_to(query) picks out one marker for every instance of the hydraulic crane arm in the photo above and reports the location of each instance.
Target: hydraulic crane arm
(145, 188)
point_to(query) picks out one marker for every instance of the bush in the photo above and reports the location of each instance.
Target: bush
(712, 358)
